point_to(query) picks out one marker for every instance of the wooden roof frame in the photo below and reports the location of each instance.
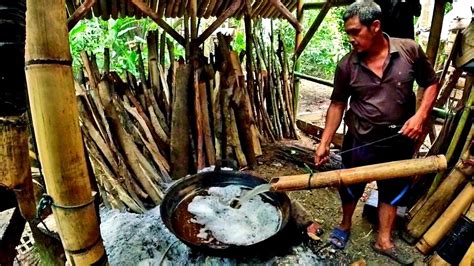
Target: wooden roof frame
(269, 8)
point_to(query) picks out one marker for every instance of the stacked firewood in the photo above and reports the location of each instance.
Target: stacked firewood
(143, 132)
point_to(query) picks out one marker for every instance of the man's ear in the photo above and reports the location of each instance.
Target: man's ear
(376, 26)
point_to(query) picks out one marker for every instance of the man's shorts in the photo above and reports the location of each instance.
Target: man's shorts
(391, 191)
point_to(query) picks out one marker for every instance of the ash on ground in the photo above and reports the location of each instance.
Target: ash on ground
(143, 239)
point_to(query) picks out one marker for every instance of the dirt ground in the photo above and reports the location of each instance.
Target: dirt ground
(324, 204)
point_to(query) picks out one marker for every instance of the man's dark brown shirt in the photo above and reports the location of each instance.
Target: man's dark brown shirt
(389, 100)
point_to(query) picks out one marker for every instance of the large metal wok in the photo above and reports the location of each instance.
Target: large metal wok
(176, 217)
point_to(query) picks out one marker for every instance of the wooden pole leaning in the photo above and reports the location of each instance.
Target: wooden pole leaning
(56, 122)
(439, 200)
(382, 171)
(446, 221)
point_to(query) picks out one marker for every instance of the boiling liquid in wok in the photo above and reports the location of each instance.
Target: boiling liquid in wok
(254, 221)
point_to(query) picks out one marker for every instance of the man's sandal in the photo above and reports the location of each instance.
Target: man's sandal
(396, 254)
(339, 238)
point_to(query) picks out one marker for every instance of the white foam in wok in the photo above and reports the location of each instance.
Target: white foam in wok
(253, 222)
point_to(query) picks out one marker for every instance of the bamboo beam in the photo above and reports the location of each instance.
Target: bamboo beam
(382, 171)
(156, 18)
(314, 27)
(79, 13)
(225, 15)
(314, 79)
(286, 13)
(435, 31)
(55, 120)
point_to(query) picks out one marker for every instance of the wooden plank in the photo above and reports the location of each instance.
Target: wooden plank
(96, 9)
(114, 9)
(176, 7)
(169, 8)
(202, 8)
(183, 8)
(317, 132)
(104, 11)
(161, 8)
(123, 8)
(180, 145)
(210, 8)
(216, 7)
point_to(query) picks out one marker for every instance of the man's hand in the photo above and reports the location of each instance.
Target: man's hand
(321, 156)
(414, 127)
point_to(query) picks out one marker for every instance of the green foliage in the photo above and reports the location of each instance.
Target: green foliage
(121, 36)
(325, 49)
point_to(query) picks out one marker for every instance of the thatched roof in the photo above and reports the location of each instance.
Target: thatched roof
(177, 8)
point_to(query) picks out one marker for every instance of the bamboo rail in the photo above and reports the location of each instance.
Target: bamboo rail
(344, 177)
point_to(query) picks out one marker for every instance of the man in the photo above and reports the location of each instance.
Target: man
(377, 76)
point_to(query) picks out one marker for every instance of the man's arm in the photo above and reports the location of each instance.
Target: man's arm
(413, 127)
(333, 120)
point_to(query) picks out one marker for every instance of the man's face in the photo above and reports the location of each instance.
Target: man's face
(360, 36)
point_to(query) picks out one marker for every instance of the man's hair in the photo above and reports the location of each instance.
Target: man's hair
(367, 11)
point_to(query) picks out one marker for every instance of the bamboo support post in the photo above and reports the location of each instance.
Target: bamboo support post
(438, 201)
(344, 177)
(447, 220)
(55, 119)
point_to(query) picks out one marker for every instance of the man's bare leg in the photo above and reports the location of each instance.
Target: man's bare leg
(347, 212)
(387, 214)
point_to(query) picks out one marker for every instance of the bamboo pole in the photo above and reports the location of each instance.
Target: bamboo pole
(446, 221)
(55, 119)
(297, 66)
(206, 125)
(468, 258)
(435, 31)
(314, 27)
(438, 201)
(455, 140)
(344, 177)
